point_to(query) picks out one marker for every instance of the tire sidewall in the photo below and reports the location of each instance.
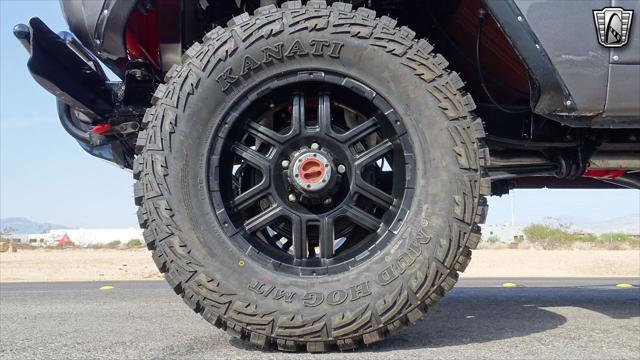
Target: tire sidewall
(424, 235)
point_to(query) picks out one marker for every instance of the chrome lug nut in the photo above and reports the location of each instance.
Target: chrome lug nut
(285, 164)
(293, 198)
(315, 146)
(341, 169)
(328, 202)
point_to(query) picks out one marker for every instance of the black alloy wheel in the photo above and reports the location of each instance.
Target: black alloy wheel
(311, 174)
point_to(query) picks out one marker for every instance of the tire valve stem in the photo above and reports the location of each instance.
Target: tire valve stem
(292, 198)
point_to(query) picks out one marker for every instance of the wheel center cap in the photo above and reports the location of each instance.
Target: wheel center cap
(311, 171)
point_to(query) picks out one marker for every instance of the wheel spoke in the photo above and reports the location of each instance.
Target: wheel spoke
(362, 218)
(373, 154)
(265, 134)
(253, 157)
(371, 192)
(263, 219)
(298, 115)
(357, 132)
(327, 235)
(252, 195)
(324, 114)
(299, 236)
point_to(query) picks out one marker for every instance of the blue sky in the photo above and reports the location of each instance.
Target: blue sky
(46, 176)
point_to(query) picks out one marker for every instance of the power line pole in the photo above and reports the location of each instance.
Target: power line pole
(513, 215)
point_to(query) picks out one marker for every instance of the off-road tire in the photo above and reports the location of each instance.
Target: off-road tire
(270, 309)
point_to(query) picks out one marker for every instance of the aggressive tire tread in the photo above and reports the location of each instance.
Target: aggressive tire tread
(294, 332)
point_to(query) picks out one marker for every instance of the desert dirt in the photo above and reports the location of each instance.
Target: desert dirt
(135, 264)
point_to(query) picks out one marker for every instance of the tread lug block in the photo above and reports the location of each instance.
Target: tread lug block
(138, 164)
(317, 4)
(159, 93)
(340, 6)
(212, 317)
(407, 33)
(485, 186)
(234, 330)
(463, 260)
(478, 128)
(157, 256)
(389, 22)
(450, 281)
(317, 347)
(264, 10)
(372, 337)
(138, 193)
(150, 241)
(239, 20)
(174, 70)
(258, 340)
(141, 141)
(192, 300)
(142, 217)
(424, 47)
(214, 34)
(346, 344)
(454, 79)
(481, 212)
(148, 117)
(287, 345)
(414, 315)
(366, 13)
(442, 64)
(469, 103)
(292, 5)
(435, 296)
(474, 237)
(395, 326)
(174, 281)
(190, 53)
(484, 160)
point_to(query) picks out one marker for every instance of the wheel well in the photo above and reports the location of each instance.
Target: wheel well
(500, 82)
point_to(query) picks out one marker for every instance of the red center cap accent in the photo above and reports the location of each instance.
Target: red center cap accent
(311, 171)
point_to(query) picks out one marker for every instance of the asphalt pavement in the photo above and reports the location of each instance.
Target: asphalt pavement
(543, 319)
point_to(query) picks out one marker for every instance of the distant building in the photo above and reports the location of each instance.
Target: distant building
(80, 237)
(504, 233)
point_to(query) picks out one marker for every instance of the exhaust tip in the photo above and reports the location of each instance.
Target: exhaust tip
(22, 32)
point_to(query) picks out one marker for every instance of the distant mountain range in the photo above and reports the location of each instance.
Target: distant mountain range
(19, 225)
(629, 224)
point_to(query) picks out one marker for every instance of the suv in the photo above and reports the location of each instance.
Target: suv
(313, 175)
